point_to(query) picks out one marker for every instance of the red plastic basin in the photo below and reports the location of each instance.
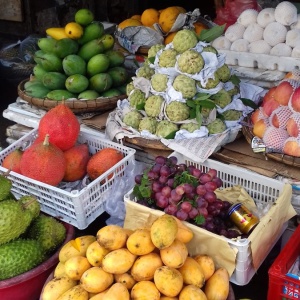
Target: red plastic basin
(28, 286)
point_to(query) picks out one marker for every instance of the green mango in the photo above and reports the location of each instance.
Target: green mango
(32, 82)
(92, 31)
(38, 71)
(74, 64)
(112, 92)
(91, 48)
(116, 58)
(77, 83)
(88, 94)
(37, 91)
(47, 45)
(59, 95)
(119, 75)
(65, 47)
(122, 88)
(99, 63)
(100, 82)
(48, 61)
(54, 80)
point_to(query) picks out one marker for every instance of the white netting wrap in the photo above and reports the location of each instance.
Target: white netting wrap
(253, 33)
(293, 125)
(275, 137)
(280, 116)
(295, 75)
(258, 115)
(266, 16)
(292, 146)
(247, 17)
(294, 102)
(235, 32)
(286, 13)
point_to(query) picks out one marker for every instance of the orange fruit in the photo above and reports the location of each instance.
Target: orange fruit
(136, 17)
(149, 17)
(169, 38)
(102, 161)
(199, 27)
(129, 22)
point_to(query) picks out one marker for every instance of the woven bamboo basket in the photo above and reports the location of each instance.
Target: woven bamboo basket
(280, 157)
(101, 104)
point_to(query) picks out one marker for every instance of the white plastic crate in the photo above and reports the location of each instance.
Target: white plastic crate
(262, 189)
(76, 207)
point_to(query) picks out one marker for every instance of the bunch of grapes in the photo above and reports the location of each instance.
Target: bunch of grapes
(185, 192)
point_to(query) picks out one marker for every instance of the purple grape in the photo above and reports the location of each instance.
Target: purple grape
(172, 160)
(218, 181)
(156, 186)
(213, 173)
(223, 232)
(156, 168)
(201, 202)
(186, 206)
(219, 204)
(161, 200)
(180, 189)
(182, 167)
(205, 178)
(191, 195)
(226, 205)
(165, 171)
(203, 212)
(210, 186)
(160, 160)
(175, 197)
(152, 175)
(138, 179)
(170, 182)
(210, 197)
(232, 233)
(193, 213)
(196, 173)
(188, 188)
(190, 169)
(210, 226)
(182, 215)
(201, 190)
(163, 179)
(166, 191)
(171, 209)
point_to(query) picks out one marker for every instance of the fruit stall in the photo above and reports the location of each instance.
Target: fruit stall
(156, 158)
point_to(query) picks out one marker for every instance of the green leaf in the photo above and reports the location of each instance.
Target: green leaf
(199, 220)
(249, 103)
(192, 113)
(208, 35)
(201, 96)
(171, 135)
(191, 103)
(140, 106)
(151, 59)
(199, 117)
(145, 191)
(208, 104)
(235, 79)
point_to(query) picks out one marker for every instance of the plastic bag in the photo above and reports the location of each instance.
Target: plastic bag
(114, 199)
(231, 10)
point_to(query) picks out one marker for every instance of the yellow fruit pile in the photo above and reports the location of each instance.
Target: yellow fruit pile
(165, 18)
(146, 263)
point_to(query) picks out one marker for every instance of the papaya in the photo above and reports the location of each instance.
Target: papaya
(54, 80)
(60, 95)
(116, 58)
(100, 82)
(74, 64)
(48, 61)
(38, 71)
(91, 48)
(65, 47)
(119, 75)
(92, 31)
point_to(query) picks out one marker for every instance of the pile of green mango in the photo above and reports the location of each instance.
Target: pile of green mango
(86, 68)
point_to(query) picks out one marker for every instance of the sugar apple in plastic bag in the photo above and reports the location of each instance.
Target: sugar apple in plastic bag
(190, 61)
(159, 82)
(133, 118)
(232, 115)
(165, 128)
(167, 58)
(185, 85)
(216, 126)
(184, 39)
(177, 111)
(149, 124)
(153, 105)
(137, 99)
(223, 73)
(222, 98)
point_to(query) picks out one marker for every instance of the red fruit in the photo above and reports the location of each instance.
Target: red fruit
(77, 159)
(295, 100)
(12, 160)
(257, 115)
(280, 116)
(283, 92)
(293, 125)
(62, 126)
(292, 147)
(269, 106)
(269, 95)
(44, 162)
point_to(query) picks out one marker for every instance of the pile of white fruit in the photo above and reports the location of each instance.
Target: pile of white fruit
(274, 31)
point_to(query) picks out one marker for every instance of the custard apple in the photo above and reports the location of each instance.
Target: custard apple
(153, 105)
(184, 39)
(234, 91)
(221, 98)
(165, 128)
(190, 61)
(159, 82)
(177, 111)
(223, 73)
(145, 71)
(190, 127)
(149, 124)
(216, 126)
(185, 85)
(210, 84)
(167, 58)
(232, 115)
(129, 88)
(154, 49)
(133, 118)
(137, 99)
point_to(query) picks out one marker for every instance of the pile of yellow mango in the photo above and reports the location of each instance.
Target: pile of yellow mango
(165, 18)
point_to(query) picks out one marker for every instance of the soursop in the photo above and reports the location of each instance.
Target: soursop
(153, 105)
(165, 128)
(145, 71)
(19, 256)
(149, 124)
(232, 115)
(177, 111)
(137, 99)
(185, 85)
(222, 98)
(159, 82)
(184, 39)
(154, 49)
(15, 218)
(216, 126)
(167, 58)
(133, 118)
(49, 232)
(223, 73)
(5, 187)
(190, 61)
(190, 127)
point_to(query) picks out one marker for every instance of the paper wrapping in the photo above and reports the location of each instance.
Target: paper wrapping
(223, 250)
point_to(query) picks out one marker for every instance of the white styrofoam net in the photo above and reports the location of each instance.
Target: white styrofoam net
(275, 137)
(280, 116)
